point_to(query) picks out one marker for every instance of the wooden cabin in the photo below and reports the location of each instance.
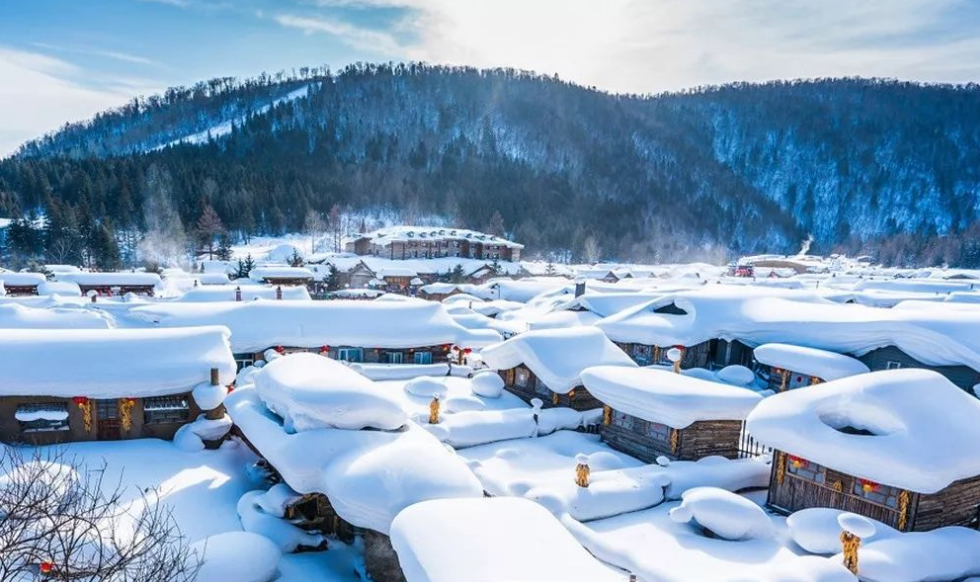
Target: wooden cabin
(786, 367)
(648, 413)
(353, 482)
(114, 284)
(893, 358)
(547, 364)
(895, 446)
(106, 386)
(409, 331)
(21, 284)
(712, 354)
(282, 276)
(411, 242)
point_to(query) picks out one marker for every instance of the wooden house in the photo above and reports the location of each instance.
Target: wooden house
(547, 364)
(896, 446)
(114, 284)
(718, 325)
(353, 482)
(21, 284)
(108, 384)
(403, 331)
(785, 367)
(282, 275)
(648, 413)
(412, 242)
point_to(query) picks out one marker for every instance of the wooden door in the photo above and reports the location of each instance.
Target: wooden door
(107, 420)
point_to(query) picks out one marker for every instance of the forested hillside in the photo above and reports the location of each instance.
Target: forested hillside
(864, 166)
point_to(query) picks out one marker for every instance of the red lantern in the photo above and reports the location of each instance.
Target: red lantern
(324, 349)
(280, 350)
(468, 351)
(80, 400)
(797, 462)
(130, 400)
(446, 347)
(455, 348)
(869, 486)
(46, 567)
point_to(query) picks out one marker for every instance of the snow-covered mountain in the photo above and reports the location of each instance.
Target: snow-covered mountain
(868, 165)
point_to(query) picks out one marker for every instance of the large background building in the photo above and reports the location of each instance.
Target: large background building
(412, 242)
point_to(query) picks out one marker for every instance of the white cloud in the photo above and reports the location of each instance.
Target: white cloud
(40, 93)
(351, 35)
(656, 45)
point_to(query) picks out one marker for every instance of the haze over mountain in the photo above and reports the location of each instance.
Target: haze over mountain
(874, 166)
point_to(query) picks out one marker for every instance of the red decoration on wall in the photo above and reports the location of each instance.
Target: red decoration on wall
(869, 486)
(797, 462)
(80, 400)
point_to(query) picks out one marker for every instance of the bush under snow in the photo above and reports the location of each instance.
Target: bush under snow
(726, 514)
(238, 556)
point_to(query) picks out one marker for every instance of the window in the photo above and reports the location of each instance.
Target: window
(893, 365)
(242, 361)
(422, 358)
(165, 409)
(44, 417)
(393, 357)
(350, 355)
(875, 492)
(521, 377)
(805, 469)
(642, 354)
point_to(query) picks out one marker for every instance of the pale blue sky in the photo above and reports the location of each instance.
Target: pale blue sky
(64, 60)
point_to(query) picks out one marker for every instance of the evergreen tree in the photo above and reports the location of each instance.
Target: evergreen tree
(209, 228)
(245, 267)
(224, 251)
(333, 279)
(295, 259)
(458, 274)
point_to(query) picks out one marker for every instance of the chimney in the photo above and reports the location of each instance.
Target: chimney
(579, 286)
(279, 292)
(214, 377)
(238, 293)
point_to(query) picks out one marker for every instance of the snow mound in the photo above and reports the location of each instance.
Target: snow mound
(426, 387)
(463, 403)
(238, 556)
(817, 530)
(208, 396)
(191, 436)
(948, 553)
(286, 536)
(310, 391)
(736, 375)
(810, 361)
(726, 514)
(435, 543)
(487, 384)
(856, 524)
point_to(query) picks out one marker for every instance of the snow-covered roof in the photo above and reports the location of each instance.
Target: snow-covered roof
(284, 272)
(258, 325)
(386, 236)
(395, 272)
(491, 540)
(557, 356)
(311, 391)
(924, 429)
(212, 293)
(368, 475)
(810, 361)
(17, 316)
(668, 398)
(111, 363)
(21, 279)
(110, 279)
(65, 288)
(757, 316)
